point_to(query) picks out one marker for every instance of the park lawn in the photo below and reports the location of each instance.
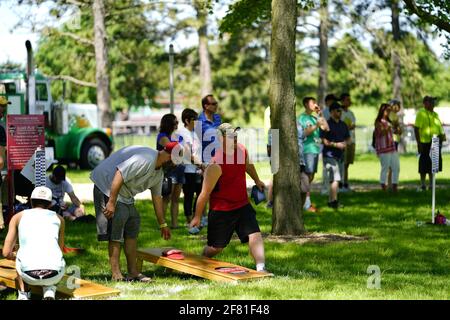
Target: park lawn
(366, 169)
(413, 259)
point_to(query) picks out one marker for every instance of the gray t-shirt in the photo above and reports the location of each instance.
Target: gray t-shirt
(137, 166)
(58, 190)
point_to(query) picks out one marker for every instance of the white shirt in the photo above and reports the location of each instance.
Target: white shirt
(191, 141)
(38, 240)
(58, 190)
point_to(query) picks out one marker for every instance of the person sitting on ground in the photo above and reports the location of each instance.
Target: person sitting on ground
(39, 260)
(59, 186)
(224, 185)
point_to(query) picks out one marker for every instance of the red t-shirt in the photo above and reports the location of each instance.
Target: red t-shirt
(230, 192)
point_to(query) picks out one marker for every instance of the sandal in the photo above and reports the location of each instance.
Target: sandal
(118, 279)
(139, 278)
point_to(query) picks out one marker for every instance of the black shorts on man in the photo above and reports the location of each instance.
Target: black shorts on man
(222, 225)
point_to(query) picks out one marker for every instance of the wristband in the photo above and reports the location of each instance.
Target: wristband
(163, 225)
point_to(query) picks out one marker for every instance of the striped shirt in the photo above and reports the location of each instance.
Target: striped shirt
(384, 137)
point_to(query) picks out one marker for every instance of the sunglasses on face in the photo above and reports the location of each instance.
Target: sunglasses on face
(213, 104)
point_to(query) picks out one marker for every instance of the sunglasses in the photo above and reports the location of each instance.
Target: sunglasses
(213, 104)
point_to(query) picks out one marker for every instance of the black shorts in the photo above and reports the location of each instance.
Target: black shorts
(425, 160)
(222, 225)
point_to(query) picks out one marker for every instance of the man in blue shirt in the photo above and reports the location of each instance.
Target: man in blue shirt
(209, 120)
(334, 142)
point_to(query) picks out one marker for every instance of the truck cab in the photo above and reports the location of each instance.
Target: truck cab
(73, 135)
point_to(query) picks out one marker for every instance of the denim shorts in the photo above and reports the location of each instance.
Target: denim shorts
(177, 175)
(311, 161)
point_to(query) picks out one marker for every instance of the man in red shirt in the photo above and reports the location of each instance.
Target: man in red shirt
(224, 185)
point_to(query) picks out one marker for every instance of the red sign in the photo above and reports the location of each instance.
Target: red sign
(25, 134)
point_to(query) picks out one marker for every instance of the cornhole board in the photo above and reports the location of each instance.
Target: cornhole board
(86, 289)
(197, 265)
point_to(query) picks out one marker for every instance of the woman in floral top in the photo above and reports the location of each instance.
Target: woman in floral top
(385, 147)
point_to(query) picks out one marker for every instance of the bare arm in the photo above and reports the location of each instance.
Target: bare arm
(2, 157)
(11, 237)
(74, 199)
(310, 129)
(115, 188)
(212, 175)
(251, 171)
(337, 145)
(323, 124)
(159, 212)
(163, 141)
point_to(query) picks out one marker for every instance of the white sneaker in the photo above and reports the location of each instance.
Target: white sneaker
(49, 293)
(23, 295)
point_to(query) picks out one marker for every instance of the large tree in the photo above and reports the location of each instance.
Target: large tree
(287, 214)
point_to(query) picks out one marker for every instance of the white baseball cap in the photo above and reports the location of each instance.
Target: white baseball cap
(42, 193)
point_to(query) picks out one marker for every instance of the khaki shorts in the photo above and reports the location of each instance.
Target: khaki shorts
(333, 169)
(349, 154)
(125, 223)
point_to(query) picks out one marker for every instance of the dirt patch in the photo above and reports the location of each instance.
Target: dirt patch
(314, 237)
(309, 237)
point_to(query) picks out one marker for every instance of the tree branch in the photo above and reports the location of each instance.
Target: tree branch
(424, 15)
(72, 79)
(70, 35)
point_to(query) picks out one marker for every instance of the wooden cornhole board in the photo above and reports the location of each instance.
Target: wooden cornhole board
(197, 265)
(87, 289)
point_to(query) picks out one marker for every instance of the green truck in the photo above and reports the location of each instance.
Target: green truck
(73, 133)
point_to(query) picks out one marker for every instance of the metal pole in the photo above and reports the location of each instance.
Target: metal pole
(171, 78)
(433, 199)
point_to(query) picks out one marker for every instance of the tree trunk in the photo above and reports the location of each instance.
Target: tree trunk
(397, 80)
(203, 52)
(323, 52)
(101, 59)
(287, 216)
(396, 65)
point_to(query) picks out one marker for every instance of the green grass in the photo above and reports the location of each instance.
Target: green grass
(413, 260)
(366, 169)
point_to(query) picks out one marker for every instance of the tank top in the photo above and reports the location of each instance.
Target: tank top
(230, 192)
(38, 240)
(159, 146)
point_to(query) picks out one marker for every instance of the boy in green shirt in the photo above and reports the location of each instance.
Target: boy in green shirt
(311, 121)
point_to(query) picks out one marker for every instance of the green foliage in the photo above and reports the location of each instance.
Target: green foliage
(133, 55)
(245, 14)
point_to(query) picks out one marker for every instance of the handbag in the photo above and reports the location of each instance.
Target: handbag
(166, 187)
